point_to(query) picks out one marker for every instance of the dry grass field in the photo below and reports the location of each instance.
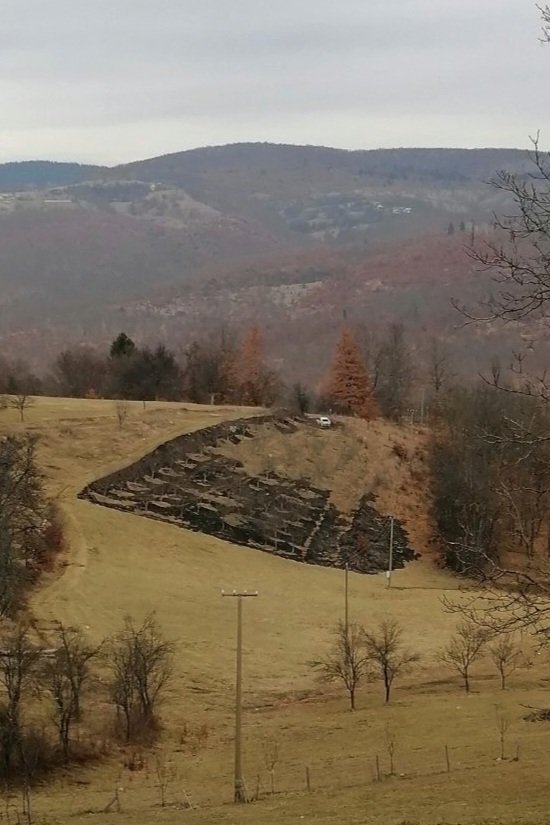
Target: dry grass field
(121, 564)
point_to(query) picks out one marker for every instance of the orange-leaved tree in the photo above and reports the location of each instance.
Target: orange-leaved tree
(255, 383)
(348, 386)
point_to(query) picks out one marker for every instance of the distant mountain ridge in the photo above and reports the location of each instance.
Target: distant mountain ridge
(176, 167)
(42, 174)
(465, 163)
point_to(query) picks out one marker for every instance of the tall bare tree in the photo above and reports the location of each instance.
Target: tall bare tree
(141, 664)
(209, 367)
(395, 373)
(81, 371)
(347, 661)
(384, 647)
(18, 662)
(464, 648)
(65, 672)
(439, 365)
(507, 656)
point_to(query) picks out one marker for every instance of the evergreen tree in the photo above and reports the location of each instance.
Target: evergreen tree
(152, 375)
(348, 386)
(147, 375)
(122, 346)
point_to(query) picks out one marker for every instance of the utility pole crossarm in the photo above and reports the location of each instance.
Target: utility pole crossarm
(240, 594)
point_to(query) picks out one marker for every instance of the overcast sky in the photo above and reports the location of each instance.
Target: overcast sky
(117, 80)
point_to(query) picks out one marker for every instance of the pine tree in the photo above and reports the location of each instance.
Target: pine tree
(348, 385)
(122, 346)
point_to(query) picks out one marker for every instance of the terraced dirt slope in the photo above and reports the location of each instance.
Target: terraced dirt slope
(193, 482)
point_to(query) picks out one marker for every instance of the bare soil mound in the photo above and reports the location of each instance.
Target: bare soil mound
(274, 483)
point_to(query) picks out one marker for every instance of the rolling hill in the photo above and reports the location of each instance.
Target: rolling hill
(41, 174)
(336, 195)
(225, 235)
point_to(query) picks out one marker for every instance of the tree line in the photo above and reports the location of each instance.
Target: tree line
(368, 376)
(218, 370)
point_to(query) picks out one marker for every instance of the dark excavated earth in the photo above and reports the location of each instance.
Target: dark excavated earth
(184, 483)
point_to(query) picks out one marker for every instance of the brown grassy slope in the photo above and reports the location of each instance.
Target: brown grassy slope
(120, 563)
(340, 749)
(80, 440)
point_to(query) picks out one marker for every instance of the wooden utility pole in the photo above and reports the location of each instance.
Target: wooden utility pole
(390, 562)
(240, 794)
(346, 599)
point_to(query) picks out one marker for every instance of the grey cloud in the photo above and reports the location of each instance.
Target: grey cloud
(146, 75)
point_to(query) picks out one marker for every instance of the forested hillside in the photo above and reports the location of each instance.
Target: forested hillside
(40, 174)
(294, 238)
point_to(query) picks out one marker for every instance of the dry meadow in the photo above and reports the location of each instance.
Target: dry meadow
(119, 564)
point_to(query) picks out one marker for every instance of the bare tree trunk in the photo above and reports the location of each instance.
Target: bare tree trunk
(64, 732)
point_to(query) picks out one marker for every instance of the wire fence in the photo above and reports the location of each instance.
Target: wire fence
(145, 788)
